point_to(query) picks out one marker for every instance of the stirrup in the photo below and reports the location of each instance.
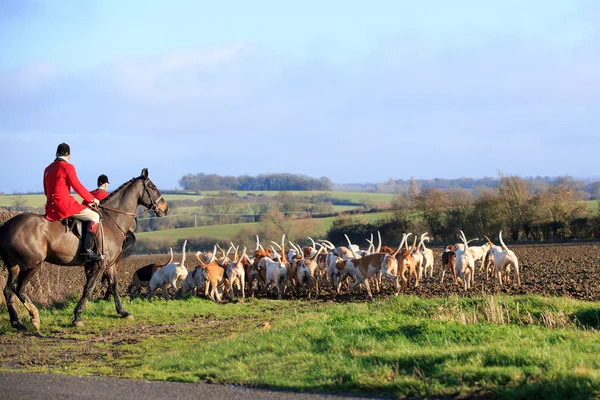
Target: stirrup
(90, 255)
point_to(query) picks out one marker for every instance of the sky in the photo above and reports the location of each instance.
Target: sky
(353, 90)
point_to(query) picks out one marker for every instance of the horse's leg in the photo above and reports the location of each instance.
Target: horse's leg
(109, 278)
(113, 288)
(93, 272)
(25, 276)
(9, 295)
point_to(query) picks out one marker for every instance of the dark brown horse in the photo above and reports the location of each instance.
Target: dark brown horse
(27, 240)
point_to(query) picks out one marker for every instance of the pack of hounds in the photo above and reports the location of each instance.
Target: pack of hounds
(304, 271)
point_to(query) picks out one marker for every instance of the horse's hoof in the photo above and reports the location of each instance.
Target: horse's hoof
(17, 325)
(129, 317)
(78, 323)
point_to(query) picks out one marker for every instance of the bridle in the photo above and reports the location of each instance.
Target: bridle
(153, 202)
(153, 207)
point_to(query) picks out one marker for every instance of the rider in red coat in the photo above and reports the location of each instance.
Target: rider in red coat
(59, 178)
(102, 191)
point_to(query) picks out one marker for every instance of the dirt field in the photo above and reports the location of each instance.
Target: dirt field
(551, 270)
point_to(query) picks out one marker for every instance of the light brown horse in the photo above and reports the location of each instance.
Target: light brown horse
(27, 240)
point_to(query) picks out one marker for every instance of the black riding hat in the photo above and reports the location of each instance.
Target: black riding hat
(102, 179)
(63, 149)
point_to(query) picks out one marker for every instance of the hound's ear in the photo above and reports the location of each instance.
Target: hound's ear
(145, 173)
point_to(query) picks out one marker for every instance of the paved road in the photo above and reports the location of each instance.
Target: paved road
(28, 386)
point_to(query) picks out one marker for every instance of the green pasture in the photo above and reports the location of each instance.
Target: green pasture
(356, 197)
(38, 200)
(519, 347)
(229, 231)
(592, 204)
(30, 200)
(199, 210)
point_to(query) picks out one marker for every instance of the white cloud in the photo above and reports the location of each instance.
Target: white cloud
(411, 101)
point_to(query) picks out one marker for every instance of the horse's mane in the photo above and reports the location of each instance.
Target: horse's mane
(119, 189)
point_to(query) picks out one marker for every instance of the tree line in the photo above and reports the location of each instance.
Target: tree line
(202, 181)
(537, 184)
(556, 213)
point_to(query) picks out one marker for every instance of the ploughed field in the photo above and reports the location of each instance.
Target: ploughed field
(570, 270)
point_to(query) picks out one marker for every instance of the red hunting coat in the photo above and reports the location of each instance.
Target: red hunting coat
(59, 178)
(97, 193)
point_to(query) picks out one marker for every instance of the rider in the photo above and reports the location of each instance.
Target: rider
(59, 178)
(102, 191)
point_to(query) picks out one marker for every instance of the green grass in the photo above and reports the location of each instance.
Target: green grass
(509, 347)
(228, 231)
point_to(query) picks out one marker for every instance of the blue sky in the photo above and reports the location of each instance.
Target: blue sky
(357, 91)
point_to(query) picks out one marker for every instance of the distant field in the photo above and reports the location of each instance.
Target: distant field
(196, 209)
(592, 204)
(31, 200)
(228, 231)
(38, 200)
(356, 197)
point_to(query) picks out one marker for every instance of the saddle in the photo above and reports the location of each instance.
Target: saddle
(74, 225)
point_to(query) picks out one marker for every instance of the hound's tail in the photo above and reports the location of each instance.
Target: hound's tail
(170, 259)
(502, 242)
(183, 253)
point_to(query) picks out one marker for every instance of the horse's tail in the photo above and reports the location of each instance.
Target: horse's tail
(128, 245)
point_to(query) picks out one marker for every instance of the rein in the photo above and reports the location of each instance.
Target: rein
(117, 210)
(153, 207)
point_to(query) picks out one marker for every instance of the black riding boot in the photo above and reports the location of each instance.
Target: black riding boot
(88, 243)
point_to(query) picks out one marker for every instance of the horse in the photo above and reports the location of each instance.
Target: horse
(27, 240)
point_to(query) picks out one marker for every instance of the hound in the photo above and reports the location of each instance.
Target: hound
(479, 254)
(427, 257)
(256, 274)
(275, 270)
(341, 251)
(376, 278)
(141, 277)
(306, 271)
(170, 274)
(504, 259)
(215, 277)
(195, 279)
(449, 262)
(418, 255)
(406, 263)
(275, 273)
(365, 267)
(465, 266)
(236, 274)
(487, 266)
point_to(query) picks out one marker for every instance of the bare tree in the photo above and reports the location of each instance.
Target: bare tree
(274, 218)
(220, 208)
(515, 196)
(414, 188)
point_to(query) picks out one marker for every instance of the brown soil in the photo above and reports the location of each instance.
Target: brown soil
(549, 269)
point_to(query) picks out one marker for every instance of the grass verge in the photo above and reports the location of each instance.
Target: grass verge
(509, 347)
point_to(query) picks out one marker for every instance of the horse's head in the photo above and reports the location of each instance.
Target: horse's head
(151, 197)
